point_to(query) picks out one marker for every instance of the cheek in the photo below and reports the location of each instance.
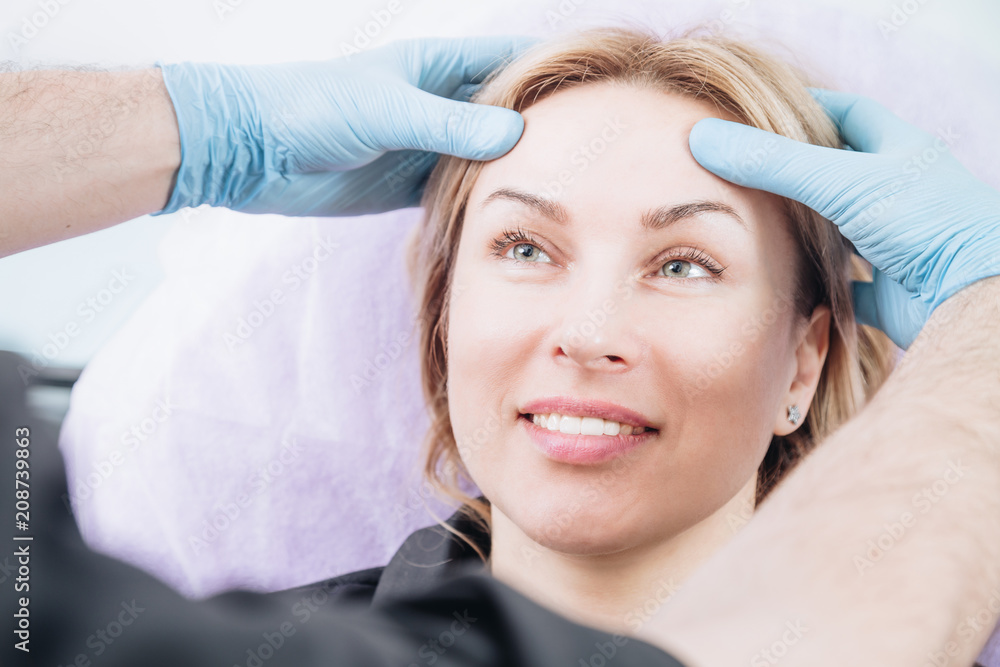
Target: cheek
(727, 369)
(733, 349)
(484, 357)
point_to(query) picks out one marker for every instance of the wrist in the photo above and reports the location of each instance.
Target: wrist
(979, 260)
(222, 160)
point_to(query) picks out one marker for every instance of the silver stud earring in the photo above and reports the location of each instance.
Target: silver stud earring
(793, 414)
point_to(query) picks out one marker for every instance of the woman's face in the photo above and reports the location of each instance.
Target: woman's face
(617, 297)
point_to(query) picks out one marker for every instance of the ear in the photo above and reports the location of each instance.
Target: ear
(810, 356)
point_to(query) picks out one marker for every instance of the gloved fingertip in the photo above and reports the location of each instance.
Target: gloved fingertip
(706, 141)
(497, 131)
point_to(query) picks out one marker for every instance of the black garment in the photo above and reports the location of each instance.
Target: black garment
(85, 609)
(429, 557)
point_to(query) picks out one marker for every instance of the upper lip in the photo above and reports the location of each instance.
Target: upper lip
(582, 407)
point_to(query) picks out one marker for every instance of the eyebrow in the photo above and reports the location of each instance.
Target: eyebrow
(653, 219)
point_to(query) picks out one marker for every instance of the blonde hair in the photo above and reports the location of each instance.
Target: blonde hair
(755, 87)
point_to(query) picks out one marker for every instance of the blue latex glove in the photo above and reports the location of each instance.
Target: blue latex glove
(926, 225)
(311, 138)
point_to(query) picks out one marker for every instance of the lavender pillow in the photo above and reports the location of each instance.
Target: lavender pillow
(257, 422)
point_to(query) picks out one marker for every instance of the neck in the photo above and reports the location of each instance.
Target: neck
(615, 592)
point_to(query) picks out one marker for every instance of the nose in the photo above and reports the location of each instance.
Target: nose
(598, 331)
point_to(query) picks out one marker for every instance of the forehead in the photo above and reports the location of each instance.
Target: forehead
(609, 146)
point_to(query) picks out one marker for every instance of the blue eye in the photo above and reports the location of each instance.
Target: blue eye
(681, 268)
(694, 257)
(518, 239)
(684, 264)
(530, 252)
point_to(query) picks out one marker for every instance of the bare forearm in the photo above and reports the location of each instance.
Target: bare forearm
(81, 151)
(883, 547)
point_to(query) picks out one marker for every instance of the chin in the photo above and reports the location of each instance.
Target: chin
(581, 541)
(587, 525)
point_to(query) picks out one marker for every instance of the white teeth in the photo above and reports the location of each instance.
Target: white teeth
(570, 425)
(591, 426)
(584, 425)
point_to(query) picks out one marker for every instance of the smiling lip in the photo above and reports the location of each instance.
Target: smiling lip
(578, 407)
(582, 449)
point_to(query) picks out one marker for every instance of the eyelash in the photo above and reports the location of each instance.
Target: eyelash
(509, 237)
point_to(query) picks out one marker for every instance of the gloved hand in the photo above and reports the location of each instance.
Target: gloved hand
(311, 138)
(926, 225)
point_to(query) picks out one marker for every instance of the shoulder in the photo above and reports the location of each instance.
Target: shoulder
(357, 586)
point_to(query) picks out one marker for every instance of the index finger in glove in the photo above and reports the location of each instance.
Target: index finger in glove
(828, 180)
